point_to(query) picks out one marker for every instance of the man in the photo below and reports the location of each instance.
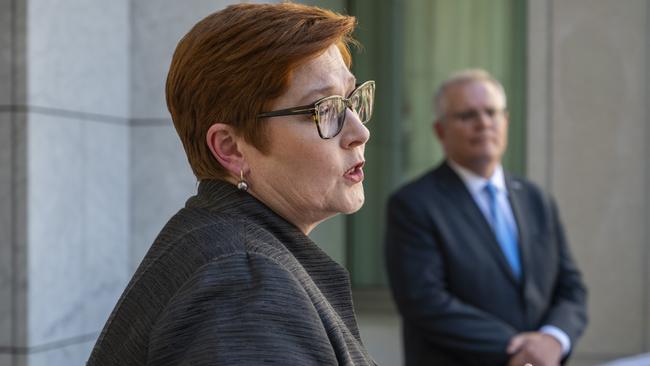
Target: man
(477, 259)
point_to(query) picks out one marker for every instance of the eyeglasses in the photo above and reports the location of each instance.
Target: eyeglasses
(329, 113)
(472, 115)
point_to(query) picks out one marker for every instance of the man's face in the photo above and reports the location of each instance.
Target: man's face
(474, 129)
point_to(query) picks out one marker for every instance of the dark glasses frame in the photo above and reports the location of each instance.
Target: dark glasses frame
(314, 110)
(473, 115)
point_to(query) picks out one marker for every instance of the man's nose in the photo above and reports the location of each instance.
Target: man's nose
(484, 118)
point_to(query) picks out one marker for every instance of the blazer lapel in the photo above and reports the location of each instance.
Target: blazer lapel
(462, 200)
(516, 196)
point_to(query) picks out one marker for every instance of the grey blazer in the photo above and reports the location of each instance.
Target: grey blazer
(458, 297)
(229, 282)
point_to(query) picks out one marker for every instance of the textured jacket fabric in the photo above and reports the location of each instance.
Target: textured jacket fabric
(229, 282)
(460, 302)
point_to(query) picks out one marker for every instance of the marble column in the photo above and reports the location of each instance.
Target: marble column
(64, 177)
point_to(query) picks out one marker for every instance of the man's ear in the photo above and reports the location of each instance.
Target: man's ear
(225, 147)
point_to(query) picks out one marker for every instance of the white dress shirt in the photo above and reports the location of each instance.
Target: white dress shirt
(476, 186)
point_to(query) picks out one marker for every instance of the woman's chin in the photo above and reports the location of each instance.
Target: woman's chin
(354, 204)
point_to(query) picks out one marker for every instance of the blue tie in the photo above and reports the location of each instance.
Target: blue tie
(504, 234)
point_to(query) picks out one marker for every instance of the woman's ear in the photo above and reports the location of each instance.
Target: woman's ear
(225, 147)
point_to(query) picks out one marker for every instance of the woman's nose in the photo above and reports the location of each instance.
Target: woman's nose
(354, 132)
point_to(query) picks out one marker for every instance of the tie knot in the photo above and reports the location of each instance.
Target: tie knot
(491, 189)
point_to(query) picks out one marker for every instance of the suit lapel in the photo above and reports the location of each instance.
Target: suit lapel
(516, 196)
(461, 199)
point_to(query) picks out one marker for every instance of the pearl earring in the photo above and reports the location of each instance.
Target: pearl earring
(242, 185)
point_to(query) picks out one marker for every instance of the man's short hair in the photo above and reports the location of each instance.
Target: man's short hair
(232, 64)
(458, 78)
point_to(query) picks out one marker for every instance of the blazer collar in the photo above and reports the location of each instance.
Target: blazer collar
(454, 187)
(518, 201)
(224, 198)
(476, 183)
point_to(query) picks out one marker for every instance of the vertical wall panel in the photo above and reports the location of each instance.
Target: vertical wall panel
(55, 228)
(64, 171)
(6, 175)
(6, 229)
(599, 162)
(106, 236)
(646, 285)
(78, 56)
(6, 51)
(588, 143)
(20, 290)
(5, 158)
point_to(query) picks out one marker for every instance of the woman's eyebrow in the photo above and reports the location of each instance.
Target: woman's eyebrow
(315, 94)
(328, 90)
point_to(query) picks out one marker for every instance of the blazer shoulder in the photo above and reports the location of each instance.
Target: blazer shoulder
(424, 183)
(200, 228)
(528, 187)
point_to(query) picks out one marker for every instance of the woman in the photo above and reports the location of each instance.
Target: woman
(256, 96)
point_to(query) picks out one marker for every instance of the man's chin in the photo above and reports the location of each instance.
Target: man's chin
(486, 156)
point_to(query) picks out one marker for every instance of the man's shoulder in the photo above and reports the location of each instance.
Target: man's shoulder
(422, 194)
(425, 182)
(518, 183)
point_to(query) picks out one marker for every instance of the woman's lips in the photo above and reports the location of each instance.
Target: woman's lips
(355, 174)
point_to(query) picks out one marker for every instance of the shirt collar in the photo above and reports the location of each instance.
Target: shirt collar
(475, 183)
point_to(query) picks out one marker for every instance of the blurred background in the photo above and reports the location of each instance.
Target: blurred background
(91, 167)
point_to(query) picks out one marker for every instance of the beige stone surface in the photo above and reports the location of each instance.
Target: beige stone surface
(598, 161)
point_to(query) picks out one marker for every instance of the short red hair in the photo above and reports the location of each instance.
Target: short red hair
(235, 62)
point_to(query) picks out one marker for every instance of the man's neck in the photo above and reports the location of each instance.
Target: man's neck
(480, 168)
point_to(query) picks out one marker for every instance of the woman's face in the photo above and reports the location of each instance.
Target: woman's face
(302, 177)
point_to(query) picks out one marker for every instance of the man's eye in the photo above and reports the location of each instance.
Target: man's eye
(466, 116)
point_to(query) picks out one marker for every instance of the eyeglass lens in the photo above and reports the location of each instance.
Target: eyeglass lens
(475, 114)
(331, 111)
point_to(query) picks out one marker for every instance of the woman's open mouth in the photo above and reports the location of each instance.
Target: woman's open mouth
(355, 174)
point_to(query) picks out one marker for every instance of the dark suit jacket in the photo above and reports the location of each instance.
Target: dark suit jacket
(229, 282)
(459, 300)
